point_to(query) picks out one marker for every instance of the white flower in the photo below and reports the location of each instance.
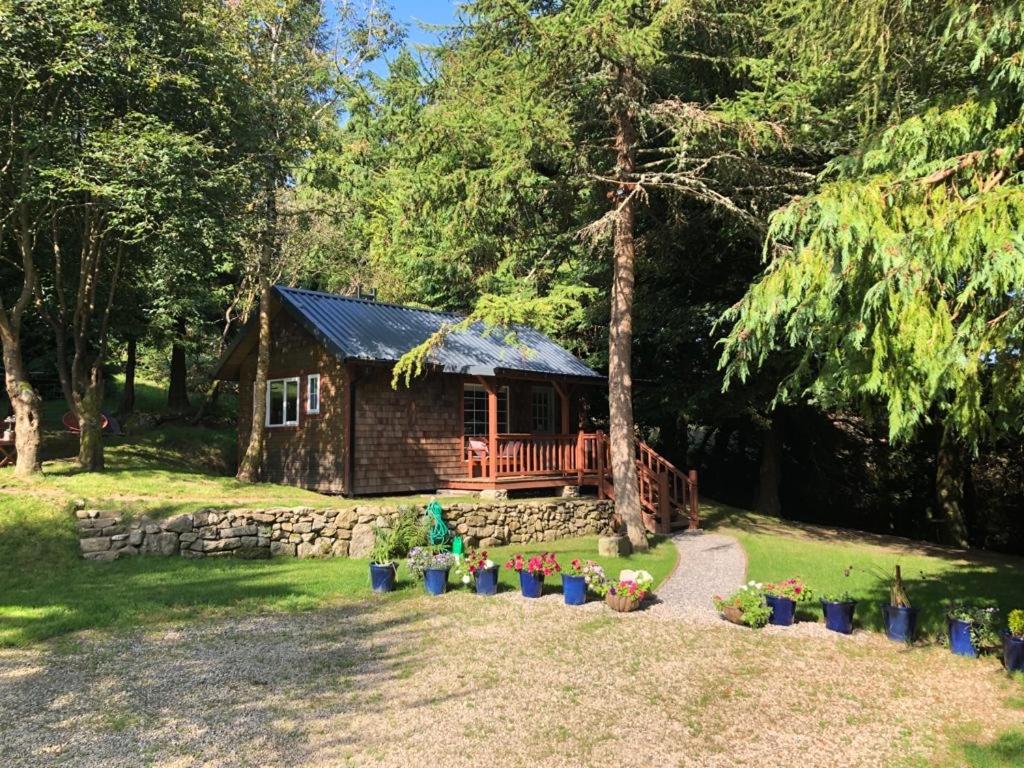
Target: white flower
(759, 585)
(465, 579)
(752, 584)
(488, 563)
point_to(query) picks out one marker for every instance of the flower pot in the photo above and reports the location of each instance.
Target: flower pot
(487, 581)
(960, 641)
(382, 577)
(734, 615)
(783, 610)
(621, 603)
(900, 623)
(435, 580)
(574, 589)
(1013, 653)
(531, 584)
(839, 616)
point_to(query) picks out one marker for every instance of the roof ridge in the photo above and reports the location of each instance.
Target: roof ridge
(372, 302)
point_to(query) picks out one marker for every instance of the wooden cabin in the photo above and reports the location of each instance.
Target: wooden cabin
(489, 414)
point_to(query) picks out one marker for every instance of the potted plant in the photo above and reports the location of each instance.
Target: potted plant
(628, 593)
(898, 616)
(532, 571)
(782, 598)
(390, 544)
(745, 606)
(432, 565)
(972, 629)
(838, 610)
(482, 571)
(1013, 642)
(578, 578)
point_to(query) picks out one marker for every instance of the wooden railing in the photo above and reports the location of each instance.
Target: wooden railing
(664, 489)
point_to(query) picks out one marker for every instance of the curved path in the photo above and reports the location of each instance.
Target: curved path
(709, 564)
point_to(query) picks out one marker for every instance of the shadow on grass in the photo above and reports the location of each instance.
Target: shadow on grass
(1007, 751)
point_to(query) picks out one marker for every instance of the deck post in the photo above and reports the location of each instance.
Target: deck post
(492, 427)
(580, 457)
(600, 447)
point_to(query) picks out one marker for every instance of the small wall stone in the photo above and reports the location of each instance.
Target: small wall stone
(312, 533)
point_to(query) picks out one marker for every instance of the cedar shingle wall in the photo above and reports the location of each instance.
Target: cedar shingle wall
(311, 454)
(406, 439)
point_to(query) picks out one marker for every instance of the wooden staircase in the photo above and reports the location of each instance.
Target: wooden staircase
(668, 496)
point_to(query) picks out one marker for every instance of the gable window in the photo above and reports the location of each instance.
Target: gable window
(283, 402)
(543, 409)
(474, 409)
(313, 393)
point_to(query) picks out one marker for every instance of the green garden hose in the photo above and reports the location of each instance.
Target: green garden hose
(439, 533)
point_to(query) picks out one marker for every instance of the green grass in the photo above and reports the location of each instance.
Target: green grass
(933, 576)
(1006, 751)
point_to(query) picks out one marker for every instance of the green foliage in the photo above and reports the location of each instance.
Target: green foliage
(984, 621)
(391, 543)
(749, 601)
(1015, 622)
(899, 281)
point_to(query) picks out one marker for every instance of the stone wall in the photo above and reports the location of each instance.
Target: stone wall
(346, 532)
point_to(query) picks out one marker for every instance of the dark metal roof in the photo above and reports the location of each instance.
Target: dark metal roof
(359, 329)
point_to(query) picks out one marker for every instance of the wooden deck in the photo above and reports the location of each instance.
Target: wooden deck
(532, 461)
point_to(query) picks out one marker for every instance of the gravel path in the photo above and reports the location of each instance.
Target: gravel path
(709, 564)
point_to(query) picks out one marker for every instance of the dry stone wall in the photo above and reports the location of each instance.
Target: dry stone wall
(345, 532)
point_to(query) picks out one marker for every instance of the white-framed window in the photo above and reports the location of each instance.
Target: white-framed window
(474, 409)
(543, 408)
(283, 402)
(313, 393)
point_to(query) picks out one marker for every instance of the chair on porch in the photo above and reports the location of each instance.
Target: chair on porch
(478, 454)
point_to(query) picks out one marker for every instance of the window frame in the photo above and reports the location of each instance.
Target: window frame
(476, 389)
(284, 403)
(549, 395)
(310, 378)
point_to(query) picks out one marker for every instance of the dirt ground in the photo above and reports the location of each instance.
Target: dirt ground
(465, 681)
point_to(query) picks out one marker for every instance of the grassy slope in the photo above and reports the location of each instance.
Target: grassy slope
(46, 590)
(934, 576)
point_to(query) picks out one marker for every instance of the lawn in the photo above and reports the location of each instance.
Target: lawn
(934, 576)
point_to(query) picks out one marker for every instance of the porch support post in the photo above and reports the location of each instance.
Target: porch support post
(492, 426)
(565, 448)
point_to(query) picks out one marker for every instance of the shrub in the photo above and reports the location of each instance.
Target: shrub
(395, 542)
(749, 602)
(1016, 622)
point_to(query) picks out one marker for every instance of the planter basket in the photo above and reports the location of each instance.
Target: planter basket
(733, 615)
(621, 603)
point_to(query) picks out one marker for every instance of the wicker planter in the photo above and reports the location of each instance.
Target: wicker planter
(621, 603)
(733, 614)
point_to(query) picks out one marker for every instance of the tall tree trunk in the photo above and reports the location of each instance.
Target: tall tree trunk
(768, 502)
(949, 490)
(251, 463)
(26, 404)
(177, 389)
(90, 439)
(127, 406)
(620, 328)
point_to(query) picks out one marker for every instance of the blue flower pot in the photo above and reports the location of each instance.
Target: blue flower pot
(531, 585)
(783, 610)
(1013, 653)
(487, 581)
(574, 589)
(839, 616)
(900, 623)
(382, 577)
(960, 638)
(435, 580)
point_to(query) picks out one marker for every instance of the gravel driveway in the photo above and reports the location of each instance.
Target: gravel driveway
(462, 680)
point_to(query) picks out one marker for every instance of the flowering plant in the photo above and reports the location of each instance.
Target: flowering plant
(983, 620)
(747, 603)
(633, 585)
(425, 559)
(791, 589)
(592, 573)
(543, 564)
(472, 563)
